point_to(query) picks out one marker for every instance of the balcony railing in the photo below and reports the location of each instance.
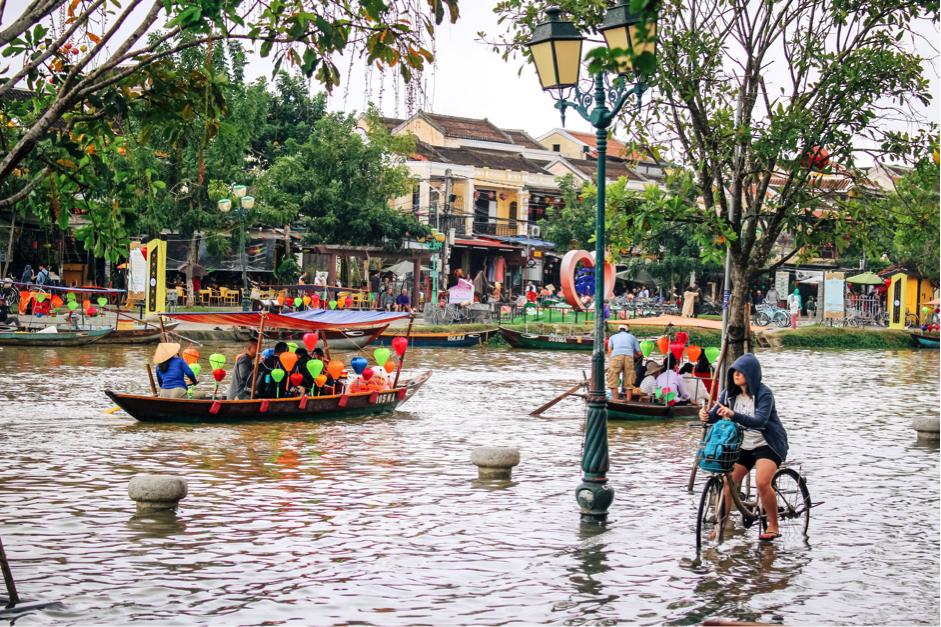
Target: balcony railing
(474, 225)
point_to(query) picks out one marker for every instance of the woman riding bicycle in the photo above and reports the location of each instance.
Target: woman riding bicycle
(750, 403)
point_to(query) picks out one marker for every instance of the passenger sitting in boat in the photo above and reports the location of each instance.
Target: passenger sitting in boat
(330, 384)
(649, 385)
(240, 388)
(673, 381)
(266, 386)
(686, 368)
(703, 368)
(172, 371)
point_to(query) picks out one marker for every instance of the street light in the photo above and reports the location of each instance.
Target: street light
(246, 204)
(556, 49)
(434, 245)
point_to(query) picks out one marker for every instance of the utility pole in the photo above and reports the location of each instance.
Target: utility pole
(448, 186)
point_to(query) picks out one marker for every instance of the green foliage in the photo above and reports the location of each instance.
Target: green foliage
(339, 185)
(289, 271)
(832, 337)
(292, 115)
(915, 203)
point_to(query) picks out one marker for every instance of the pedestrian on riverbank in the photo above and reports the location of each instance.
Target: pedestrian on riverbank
(172, 371)
(794, 303)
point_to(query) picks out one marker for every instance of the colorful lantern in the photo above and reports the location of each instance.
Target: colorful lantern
(677, 349)
(315, 299)
(196, 368)
(367, 374)
(72, 305)
(381, 355)
(91, 312)
(292, 346)
(333, 304)
(924, 327)
(399, 345)
(24, 298)
(280, 299)
(296, 379)
(646, 347)
(70, 296)
(335, 368)
(57, 301)
(663, 344)
(358, 364)
(191, 356)
(693, 352)
(217, 360)
(86, 304)
(102, 301)
(389, 366)
(218, 374)
(348, 301)
(306, 301)
(310, 340)
(712, 354)
(288, 360)
(320, 380)
(315, 367)
(924, 310)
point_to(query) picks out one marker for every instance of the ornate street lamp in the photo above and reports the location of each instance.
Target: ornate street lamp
(556, 48)
(245, 205)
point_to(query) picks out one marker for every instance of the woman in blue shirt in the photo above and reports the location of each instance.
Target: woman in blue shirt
(172, 371)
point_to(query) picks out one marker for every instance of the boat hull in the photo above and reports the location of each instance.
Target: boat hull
(441, 340)
(623, 410)
(138, 336)
(78, 338)
(153, 409)
(518, 339)
(926, 341)
(337, 339)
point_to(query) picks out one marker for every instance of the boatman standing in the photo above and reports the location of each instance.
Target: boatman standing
(623, 348)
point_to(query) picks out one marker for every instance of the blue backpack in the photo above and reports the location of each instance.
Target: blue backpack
(719, 450)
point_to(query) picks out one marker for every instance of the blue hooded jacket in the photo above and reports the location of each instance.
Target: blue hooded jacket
(766, 416)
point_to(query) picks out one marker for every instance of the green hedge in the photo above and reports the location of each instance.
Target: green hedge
(831, 337)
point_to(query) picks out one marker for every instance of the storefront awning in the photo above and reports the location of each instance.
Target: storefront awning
(523, 241)
(482, 243)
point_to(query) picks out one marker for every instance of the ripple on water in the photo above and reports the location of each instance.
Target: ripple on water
(381, 521)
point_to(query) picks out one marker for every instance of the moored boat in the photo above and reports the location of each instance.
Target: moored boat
(926, 341)
(340, 339)
(632, 410)
(60, 338)
(440, 340)
(521, 339)
(139, 334)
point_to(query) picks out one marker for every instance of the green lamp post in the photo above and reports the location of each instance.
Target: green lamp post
(245, 205)
(436, 243)
(556, 49)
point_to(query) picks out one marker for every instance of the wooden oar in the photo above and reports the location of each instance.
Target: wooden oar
(111, 411)
(712, 394)
(557, 399)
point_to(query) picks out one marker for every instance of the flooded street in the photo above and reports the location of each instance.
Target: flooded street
(380, 521)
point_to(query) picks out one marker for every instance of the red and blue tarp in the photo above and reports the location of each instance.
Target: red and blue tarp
(313, 320)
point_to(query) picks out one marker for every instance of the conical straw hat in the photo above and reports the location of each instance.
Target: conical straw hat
(165, 350)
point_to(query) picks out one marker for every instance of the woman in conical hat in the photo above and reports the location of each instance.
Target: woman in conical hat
(172, 371)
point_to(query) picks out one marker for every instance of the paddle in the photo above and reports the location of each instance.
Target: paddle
(556, 400)
(111, 411)
(712, 394)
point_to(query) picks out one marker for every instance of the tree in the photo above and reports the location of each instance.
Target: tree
(339, 184)
(292, 114)
(743, 95)
(89, 68)
(915, 204)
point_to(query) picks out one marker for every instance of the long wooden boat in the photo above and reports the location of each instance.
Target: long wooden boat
(141, 334)
(632, 410)
(154, 409)
(521, 339)
(926, 341)
(62, 338)
(440, 340)
(338, 339)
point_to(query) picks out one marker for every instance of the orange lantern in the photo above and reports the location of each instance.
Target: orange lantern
(693, 352)
(389, 366)
(320, 380)
(280, 299)
(335, 368)
(57, 302)
(306, 300)
(24, 298)
(190, 356)
(663, 344)
(86, 304)
(288, 360)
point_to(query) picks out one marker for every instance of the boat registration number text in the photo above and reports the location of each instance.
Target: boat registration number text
(557, 338)
(388, 397)
(455, 338)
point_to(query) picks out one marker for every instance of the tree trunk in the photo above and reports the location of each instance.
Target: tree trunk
(287, 244)
(190, 267)
(6, 264)
(741, 279)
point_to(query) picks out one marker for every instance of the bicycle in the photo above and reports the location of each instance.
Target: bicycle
(790, 488)
(9, 293)
(450, 314)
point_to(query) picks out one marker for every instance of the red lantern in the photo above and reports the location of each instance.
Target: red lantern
(218, 374)
(817, 158)
(91, 311)
(296, 379)
(677, 349)
(310, 340)
(349, 301)
(367, 374)
(399, 345)
(888, 282)
(143, 251)
(289, 302)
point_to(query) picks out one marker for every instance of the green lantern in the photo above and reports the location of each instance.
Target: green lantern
(70, 297)
(292, 346)
(381, 355)
(102, 301)
(277, 374)
(72, 305)
(315, 367)
(217, 360)
(646, 347)
(40, 297)
(712, 353)
(196, 368)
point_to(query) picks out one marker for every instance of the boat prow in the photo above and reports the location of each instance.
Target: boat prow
(155, 409)
(926, 341)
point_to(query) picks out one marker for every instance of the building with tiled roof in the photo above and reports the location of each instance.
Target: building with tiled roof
(575, 145)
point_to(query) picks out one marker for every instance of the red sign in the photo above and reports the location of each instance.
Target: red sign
(567, 276)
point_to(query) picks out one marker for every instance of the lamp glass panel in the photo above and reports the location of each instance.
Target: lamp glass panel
(239, 191)
(568, 54)
(545, 66)
(225, 205)
(650, 45)
(248, 202)
(617, 38)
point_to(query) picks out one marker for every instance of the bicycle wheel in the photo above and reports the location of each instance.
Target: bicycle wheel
(12, 298)
(910, 321)
(762, 319)
(447, 316)
(781, 319)
(793, 502)
(708, 522)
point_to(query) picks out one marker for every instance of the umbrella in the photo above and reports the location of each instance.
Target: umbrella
(866, 278)
(198, 270)
(405, 267)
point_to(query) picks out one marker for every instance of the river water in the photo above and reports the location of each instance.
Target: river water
(380, 521)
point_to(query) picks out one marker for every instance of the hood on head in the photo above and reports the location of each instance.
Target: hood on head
(748, 365)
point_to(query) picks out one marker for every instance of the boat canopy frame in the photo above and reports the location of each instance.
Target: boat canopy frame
(312, 320)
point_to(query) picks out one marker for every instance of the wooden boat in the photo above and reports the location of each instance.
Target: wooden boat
(142, 334)
(62, 338)
(153, 409)
(440, 340)
(632, 410)
(339, 339)
(926, 341)
(521, 339)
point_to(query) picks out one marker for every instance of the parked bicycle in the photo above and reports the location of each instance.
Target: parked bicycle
(793, 500)
(450, 314)
(8, 292)
(767, 314)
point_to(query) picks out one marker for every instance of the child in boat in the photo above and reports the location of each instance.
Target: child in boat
(172, 371)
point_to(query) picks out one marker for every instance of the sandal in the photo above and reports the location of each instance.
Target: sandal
(769, 536)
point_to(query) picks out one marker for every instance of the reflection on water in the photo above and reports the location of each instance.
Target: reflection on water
(382, 521)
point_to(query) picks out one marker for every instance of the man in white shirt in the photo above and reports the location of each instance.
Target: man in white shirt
(674, 382)
(649, 385)
(622, 349)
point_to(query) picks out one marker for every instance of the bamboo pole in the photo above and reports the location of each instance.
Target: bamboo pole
(408, 336)
(162, 330)
(8, 578)
(261, 335)
(153, 386)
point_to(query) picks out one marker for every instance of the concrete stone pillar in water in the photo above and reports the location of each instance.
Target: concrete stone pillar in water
(927, 428)
(495, 462)
(155, 493)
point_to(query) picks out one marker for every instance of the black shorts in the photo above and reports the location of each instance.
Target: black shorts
(748, 458)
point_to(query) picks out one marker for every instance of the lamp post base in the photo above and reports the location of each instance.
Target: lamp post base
(594, 499)
(246, 303)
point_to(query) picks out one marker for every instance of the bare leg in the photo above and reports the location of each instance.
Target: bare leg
(738, 473)
(764, 473)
